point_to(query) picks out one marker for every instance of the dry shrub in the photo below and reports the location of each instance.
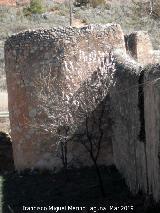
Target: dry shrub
(91, 3)
(156, 9)
(95, 3)
(150, 7)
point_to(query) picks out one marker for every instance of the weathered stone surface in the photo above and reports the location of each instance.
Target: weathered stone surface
(127, 147)
(139, 46)
(40, 62)
(152, 126)
(135, 113)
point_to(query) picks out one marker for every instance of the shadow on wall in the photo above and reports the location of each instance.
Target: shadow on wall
(89, 136)
(90, 121)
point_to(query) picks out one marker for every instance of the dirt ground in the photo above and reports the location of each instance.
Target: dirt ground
(72, 187)
(77, 188)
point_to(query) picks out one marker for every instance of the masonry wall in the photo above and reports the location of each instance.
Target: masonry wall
(43, 61)
(128, 148)
(152, 127)
(135, 112)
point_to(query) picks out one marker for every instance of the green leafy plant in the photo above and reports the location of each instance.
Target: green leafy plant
(35, 7)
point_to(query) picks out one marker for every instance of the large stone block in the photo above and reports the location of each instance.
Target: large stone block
(44, 69)
(139, 46)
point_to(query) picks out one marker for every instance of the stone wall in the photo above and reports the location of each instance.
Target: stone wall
(135, 113)
(152, 125)
(44, 68)
(127, 146)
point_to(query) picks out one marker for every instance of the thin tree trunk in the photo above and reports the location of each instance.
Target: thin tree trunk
(99, 179)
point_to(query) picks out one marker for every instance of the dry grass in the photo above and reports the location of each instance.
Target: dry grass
(4, 125)
(4, 122)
